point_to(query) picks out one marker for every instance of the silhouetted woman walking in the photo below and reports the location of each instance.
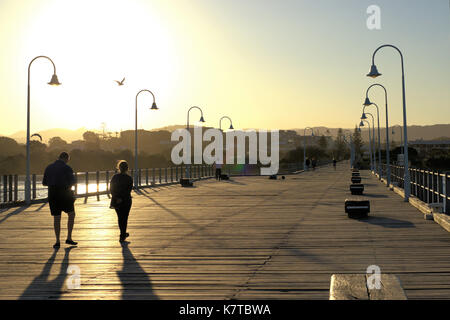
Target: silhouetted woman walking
(121, 186)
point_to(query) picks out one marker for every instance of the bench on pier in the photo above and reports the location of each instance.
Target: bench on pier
(186, 182)
(356, 174)
(356, 179)
(224, 177)
(357, 188)
(357, 208)
(362, 287)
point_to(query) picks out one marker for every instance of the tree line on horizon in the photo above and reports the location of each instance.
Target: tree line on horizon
(94, 153)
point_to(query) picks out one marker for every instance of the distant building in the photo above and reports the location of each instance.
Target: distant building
(423, 146)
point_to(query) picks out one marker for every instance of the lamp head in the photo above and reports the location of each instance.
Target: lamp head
(54, 81)
(367, 102)
(154, 106)
(373, 72)
(231, 127)
(363, 117)
(201, 119)
(312, 134)
(361, 124)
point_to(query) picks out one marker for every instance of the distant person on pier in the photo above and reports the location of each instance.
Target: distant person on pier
(307, 163)
(59, 178)
(218, 171)
(334, 163)
(314, 163)
(121, 186)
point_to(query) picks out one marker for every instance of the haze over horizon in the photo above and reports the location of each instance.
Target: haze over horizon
(266, 64)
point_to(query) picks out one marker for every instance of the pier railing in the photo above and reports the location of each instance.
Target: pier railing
(95, 183)
(431, 187)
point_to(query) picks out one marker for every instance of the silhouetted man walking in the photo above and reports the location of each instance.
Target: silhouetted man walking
(59, 178)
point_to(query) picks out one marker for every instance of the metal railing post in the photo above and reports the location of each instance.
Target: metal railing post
(33, 179)
(444, 191)
(107, 181)
(87, 182)
(10, 182)
(97, 180)
(5, 188)
(146, 176)
(76, 182)
(159, 175)
(153, 175)
(16, 187)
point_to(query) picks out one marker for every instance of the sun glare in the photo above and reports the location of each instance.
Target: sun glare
(92, 44)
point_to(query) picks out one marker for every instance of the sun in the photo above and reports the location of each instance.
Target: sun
(94, 43)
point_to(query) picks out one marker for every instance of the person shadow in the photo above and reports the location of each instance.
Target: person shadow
(136, 284)
(41, 287)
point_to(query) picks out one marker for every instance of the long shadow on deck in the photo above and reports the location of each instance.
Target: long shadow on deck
(375, 195)
(41, 287)
(388, 222)
(135, 281)
(13, 212)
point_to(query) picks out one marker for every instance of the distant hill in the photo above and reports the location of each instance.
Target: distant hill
(65, 134)
(431, 132)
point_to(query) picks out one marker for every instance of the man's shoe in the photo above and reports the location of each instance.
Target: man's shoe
(71, 242)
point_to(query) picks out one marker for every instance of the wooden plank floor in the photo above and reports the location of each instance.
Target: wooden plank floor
(250, 238)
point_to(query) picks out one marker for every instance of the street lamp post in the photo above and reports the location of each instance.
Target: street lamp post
(153, 107)
(361, 124)
(373, 138)
(401, 136)
(367, 102)
(54, 82)
(374, 73)
(187, 128)
(379, 139)
(304, 145)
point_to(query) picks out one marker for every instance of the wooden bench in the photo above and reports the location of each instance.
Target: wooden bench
(357, 208)
(357, 188)
(185, 182)
(356, 179)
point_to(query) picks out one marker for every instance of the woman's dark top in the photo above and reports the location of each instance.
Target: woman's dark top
(121, 186)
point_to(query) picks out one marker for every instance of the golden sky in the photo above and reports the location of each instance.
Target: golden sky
(266, 64)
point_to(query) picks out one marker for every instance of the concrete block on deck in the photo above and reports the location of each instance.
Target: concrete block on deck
(355, 287)
(443, 220)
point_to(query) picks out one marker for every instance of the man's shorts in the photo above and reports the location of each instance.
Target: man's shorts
(60, 199)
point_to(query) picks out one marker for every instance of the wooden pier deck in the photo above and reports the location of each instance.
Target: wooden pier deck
(249, 238)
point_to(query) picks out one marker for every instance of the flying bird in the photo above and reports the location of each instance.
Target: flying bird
(120, 83)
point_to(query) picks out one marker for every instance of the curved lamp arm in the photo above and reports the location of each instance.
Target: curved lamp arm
(29, 66)
(194, 107)
(387, 45)
(304, 131)
(220, 122)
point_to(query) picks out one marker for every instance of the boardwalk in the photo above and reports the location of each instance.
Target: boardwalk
(250, 238)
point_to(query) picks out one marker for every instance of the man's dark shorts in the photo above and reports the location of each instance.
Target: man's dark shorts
(60, 199)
